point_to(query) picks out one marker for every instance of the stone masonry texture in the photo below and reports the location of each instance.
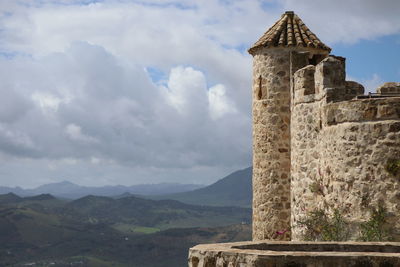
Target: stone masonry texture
(295, 254)
(271, 141)
(317, 145)
(340, 149)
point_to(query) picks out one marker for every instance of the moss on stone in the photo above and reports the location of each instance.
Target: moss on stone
(393, 167)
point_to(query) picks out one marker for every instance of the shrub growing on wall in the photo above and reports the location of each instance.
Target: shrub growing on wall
(321, 227)
(375, 229)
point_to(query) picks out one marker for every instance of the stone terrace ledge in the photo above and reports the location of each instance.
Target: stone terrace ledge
(296, 254)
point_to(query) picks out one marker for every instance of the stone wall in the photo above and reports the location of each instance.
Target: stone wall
(340, 149)
(271, 143)
(301, 254)
(305, 136)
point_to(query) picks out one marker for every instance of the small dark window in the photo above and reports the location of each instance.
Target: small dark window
(259, 89)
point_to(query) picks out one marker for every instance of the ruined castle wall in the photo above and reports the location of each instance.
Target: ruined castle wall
(340, 152)
(306, 154)
(271, 143)
(359, 138)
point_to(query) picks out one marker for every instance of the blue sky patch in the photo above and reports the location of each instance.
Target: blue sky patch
(157, 75)
(368, 57)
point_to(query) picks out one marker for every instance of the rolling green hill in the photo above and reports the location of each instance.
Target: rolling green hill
(10, 198)
(232, 190)
(101, 231)
(133, 212)
(98, 248)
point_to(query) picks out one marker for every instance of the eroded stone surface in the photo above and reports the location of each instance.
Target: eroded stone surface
(275, 254)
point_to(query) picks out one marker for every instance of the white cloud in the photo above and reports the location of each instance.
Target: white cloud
(74, 132)
(46, 102)
(219, 103)
(186, 90)
(103, 107)
(16, 142)
(95, 160)
(372, 83)
(348, 21)
(70, 161)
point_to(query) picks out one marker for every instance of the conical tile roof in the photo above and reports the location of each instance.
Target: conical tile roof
(289, 31)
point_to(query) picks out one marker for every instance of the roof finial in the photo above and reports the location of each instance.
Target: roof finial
(289, 13)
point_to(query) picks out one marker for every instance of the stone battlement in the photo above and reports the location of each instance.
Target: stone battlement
(326, 80)
(341, 100)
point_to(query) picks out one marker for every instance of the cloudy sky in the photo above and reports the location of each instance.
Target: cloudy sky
(147, 91)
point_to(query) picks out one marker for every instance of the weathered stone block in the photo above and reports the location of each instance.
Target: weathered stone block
(389, 88)
(353, 89)
(330, 73)
(300, 254)
(304, 81)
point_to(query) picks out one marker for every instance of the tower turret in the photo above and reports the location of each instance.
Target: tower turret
(275, 59)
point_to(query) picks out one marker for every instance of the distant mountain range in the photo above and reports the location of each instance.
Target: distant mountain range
(232, 190)
(70, 190)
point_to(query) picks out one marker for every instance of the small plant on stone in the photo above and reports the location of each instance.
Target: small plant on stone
(313, 224)
(337, 228)
(393, 167)
(321, 227)
(375, 229)
(316, 188)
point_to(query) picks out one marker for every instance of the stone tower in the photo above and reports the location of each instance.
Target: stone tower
(275, 59)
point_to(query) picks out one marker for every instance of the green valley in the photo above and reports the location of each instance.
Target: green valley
(102, 231)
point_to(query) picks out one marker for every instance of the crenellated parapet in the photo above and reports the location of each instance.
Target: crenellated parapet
(340, 100)
(326, 81)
